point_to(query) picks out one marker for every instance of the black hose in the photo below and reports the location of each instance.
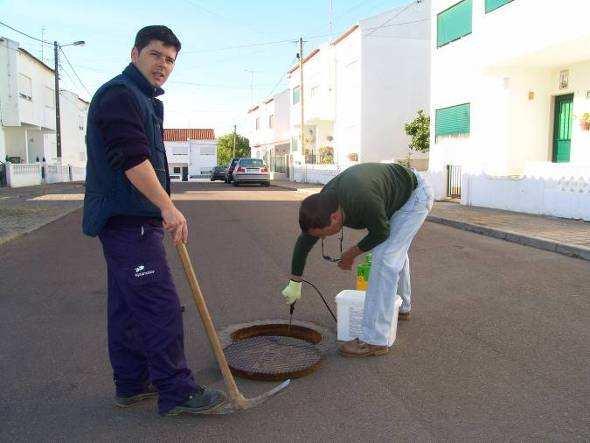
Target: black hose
(322, 297)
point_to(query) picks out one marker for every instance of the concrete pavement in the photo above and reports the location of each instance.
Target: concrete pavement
(496, 349)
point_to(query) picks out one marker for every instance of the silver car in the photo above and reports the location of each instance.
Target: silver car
(251, 170)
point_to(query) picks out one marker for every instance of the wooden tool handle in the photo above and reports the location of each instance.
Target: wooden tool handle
(230, 382)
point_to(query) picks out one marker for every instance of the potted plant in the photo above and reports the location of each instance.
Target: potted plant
(585, 121)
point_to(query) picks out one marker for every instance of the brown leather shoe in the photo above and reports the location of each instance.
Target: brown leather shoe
(358, 348)
(403, 316)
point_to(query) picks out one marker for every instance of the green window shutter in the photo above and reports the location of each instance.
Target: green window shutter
(453, 120)
(296, 95)
(454, 23)
(492, 5)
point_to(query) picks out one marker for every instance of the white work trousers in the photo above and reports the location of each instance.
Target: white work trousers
(390, 268)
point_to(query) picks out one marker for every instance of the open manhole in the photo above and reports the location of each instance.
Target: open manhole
(274, 351)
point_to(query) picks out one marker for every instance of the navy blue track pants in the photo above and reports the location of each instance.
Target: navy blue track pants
(145, 330)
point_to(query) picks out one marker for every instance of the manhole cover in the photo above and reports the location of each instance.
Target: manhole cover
(274, 352)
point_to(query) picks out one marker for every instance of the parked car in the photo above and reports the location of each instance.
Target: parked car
(218, 173)
(251, 170)
(229, 172)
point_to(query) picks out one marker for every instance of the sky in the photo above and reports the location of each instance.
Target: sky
(228, 46)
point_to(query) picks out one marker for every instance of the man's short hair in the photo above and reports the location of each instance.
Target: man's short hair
(156, 32)
(315, 210)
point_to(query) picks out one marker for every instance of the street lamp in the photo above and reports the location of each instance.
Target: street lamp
(56, 48)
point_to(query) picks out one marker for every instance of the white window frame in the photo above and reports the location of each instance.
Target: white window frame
(25, 87)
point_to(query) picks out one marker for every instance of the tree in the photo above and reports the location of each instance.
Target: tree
(419, 131)
(225, 146)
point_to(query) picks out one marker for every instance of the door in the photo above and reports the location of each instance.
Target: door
(562, 129)
(185, 173)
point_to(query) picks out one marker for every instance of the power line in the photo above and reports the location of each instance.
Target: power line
(393, 17)
(205, 85)
(209, 11)
(227, 48)
(75, 73)
(283, 75)
(25, 34)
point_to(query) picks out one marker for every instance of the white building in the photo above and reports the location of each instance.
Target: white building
(74, 113)
(192, 153)
(360, 90)
(27, 103)
(510, 95)
(268, 132)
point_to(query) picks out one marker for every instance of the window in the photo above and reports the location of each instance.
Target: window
(271, 120)
(176, 170)
(180, 150)
(251, 162)
(314, 91)
(454, 23)
(492, 5)
(257, 123)
(49, 97)
(453, 120)
(296, 95)
(25, 87)
(294, 144)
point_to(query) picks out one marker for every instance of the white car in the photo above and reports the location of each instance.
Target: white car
(251, 170)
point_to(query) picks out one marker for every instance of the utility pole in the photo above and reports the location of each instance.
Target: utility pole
(56, 48)
(233, 153)
(301, 96)
(57, 116)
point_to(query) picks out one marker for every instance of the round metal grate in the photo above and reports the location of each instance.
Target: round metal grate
(273, 352)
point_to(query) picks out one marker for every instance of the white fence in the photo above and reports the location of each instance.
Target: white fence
(23, 175)
(57, 173)
(560, 197)
(19, 175)
(314, 173)
(78, 173)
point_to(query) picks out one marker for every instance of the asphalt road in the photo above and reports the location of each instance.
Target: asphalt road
(497, 348)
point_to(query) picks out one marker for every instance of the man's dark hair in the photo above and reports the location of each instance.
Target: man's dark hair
(156, 32)
(315, 210)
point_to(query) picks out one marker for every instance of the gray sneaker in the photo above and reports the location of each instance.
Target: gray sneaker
(203, 401)
(125, 402)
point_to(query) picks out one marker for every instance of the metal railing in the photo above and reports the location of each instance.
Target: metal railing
(453, 181)
(2, 174)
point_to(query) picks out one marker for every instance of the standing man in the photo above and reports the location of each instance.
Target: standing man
(127, 204)
(391, 202)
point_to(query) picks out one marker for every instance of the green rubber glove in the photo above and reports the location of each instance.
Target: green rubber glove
(292, 292)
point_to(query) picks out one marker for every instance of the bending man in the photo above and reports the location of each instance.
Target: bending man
(391, 202)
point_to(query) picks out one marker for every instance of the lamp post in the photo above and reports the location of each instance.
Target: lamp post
(56, 48)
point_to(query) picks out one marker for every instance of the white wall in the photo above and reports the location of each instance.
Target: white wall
(203, 156)
(394, 80)
(9, 82)
(40, 110)
(347, 125)
(23, 175)
(74, 113)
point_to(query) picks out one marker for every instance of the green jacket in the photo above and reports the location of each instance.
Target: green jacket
(368, 195)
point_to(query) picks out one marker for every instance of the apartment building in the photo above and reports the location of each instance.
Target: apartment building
(511, 104)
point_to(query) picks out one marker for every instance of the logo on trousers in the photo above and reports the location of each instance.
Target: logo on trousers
(139, 271)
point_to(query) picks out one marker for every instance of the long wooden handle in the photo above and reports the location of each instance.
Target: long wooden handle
(230, 382)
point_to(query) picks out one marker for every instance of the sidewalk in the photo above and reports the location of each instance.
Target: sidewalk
(564, 236)
(23, 210)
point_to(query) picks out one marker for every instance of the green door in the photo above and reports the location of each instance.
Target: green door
(562, 130)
